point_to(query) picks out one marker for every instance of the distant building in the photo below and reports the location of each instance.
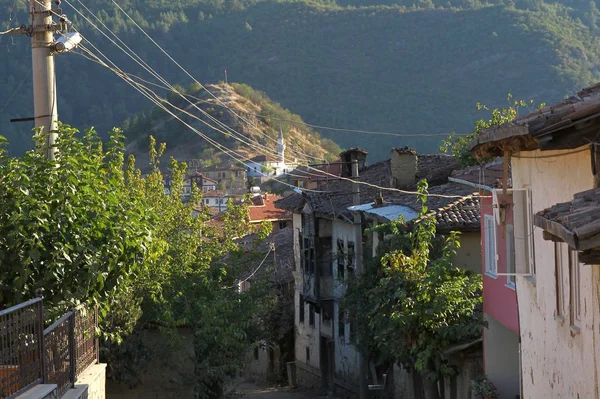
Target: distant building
(228, 177)
(263, 210)
(265, 166)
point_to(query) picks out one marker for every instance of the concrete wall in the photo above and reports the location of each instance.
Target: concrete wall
(501, 357)
(306, 336)
(258, 369)
(468, 256)
(557, 360)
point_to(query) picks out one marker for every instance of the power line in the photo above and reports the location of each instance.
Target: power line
(161, 48)
(154, 98)
(140, 61)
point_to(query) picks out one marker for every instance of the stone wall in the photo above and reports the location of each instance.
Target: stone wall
(403, 165)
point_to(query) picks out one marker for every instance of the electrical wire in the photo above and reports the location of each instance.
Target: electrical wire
(254, 272)
(140, 61)
(158, 101)
(175, 62)
(152, 96)
(13, 95)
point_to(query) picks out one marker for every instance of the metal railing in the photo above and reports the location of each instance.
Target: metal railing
(57, 355)
(21, 347)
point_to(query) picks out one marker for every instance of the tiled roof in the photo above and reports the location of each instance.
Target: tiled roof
(338, 196)
(263, 208)
(576, 222)
(563, 125)
(489, 175)
(263, 158)
(461, 215)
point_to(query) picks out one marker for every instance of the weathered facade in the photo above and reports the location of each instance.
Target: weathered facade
(553, 166)
(329, 229)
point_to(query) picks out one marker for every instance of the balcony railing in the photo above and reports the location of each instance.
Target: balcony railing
(57, 355)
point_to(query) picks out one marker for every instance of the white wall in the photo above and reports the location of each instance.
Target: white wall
(557, 361)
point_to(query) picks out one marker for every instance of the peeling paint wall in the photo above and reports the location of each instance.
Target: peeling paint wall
(557, 361)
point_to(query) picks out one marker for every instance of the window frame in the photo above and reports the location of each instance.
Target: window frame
(574, 289)
(511, 257)
(559, 264)
(491, 251)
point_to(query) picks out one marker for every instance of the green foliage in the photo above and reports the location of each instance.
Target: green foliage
(484, 387)
(410, 303)
(458, 146)
(88, 227)
(70, 226)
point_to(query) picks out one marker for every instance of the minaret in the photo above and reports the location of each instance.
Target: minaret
(281, 146)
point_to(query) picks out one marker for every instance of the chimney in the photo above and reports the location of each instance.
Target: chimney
(403, 162)
(350, 155)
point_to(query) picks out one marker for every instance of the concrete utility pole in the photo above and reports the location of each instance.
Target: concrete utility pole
(45, 110)
(43, 49)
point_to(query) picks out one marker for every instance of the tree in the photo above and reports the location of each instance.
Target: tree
(88, 227)
(458, 146)
(70, 226)
(411, 303)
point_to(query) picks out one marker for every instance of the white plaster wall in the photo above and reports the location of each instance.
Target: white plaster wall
(556, 363)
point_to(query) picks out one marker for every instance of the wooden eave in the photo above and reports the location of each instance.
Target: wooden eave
(563, 135)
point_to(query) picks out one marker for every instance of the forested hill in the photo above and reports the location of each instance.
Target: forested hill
(254, 120)
(402, 66)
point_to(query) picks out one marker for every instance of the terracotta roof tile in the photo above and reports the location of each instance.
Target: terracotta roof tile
(263, 208)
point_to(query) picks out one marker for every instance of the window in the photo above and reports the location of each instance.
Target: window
(340, 260)
(559, 253)
(575, 289)
(491, 267)
(341, 325)
(301, 309)
(350, 264)
(282, 224)
(311, 315)
(307, 355)
(510, 256)
(256, 353)
(523, 228)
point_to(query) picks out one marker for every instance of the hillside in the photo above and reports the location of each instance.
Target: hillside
(410, 67)
(254, 118)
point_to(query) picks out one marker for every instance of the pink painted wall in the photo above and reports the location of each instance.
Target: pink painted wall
(499, 301)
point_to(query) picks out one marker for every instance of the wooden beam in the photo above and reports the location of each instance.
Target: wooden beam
(546, 235)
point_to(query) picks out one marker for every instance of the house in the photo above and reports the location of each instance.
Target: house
(217, 199)
(554, 166)
(329, 240)
(262, 209)
(228, 177)
(202, 182)
(501, 336)
(314, 176)
(262, 166)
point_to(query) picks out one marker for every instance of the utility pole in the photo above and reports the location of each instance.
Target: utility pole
(43, 49)
(45, 112)
(362, 360)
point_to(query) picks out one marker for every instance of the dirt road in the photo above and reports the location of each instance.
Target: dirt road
(248, 390)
